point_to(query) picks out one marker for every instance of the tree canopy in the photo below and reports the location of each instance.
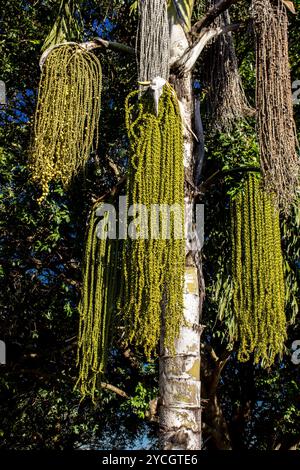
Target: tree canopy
(42, 248)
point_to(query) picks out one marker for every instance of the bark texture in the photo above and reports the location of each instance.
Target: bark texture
(180, 389)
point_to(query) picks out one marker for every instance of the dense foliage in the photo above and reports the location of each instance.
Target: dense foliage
(42, 252)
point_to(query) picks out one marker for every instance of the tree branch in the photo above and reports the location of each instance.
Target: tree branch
(190, 56)
(114, 389)
(88, 46)
(221, 173)
(111, 192)
(114, 167)
(213, 12)
(111, 45)
(207, 347)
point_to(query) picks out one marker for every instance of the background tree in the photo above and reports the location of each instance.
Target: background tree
(41, 266)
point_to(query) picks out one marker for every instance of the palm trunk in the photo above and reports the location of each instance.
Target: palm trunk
(179, 379)
(179, 382)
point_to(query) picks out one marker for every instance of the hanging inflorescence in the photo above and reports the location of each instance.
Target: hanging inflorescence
(257, 271)
(98, 301)
(226, 99)
(153, 265)
(67, 115)
(276, 128)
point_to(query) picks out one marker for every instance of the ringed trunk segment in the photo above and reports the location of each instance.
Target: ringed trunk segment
(180, 389)
(179, 374)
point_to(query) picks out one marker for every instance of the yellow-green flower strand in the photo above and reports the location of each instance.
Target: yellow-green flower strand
(257, 270)
(154, 267)
(67, 115)
(98, 301)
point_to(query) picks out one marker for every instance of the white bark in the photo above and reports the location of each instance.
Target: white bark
(178, 41)
(190, 57)
(179, 382)
(180, 411)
